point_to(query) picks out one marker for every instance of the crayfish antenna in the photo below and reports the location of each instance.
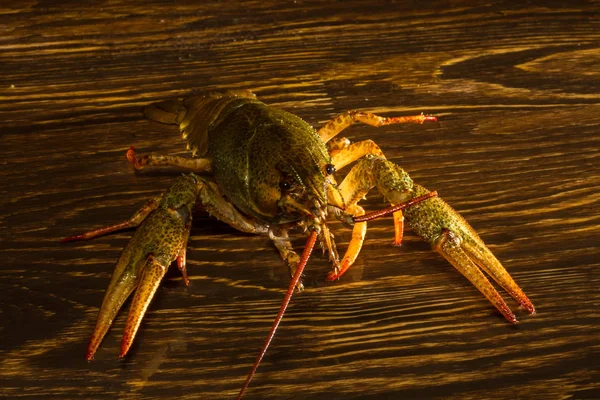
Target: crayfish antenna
(308, 247)
(393, 209)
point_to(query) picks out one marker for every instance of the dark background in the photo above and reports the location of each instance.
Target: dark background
(516, 151)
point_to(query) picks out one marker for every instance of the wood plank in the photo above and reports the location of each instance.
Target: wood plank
(516, 151)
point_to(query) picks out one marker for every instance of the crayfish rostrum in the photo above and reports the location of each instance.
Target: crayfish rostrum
(265, 171)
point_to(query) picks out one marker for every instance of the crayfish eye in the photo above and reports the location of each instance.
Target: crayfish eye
(285, 186)
(329, 169)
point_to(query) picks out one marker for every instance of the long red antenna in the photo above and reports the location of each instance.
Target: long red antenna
(308, 248)
(393, 209)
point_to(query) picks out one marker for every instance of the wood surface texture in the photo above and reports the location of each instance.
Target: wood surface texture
(516, 86)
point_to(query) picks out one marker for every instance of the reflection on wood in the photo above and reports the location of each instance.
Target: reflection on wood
(516, 152)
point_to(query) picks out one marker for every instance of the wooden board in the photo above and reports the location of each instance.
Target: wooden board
(516, 151)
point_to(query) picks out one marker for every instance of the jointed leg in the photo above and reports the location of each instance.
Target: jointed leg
(181, 257)
(343, 152)
(391, 181)
(344, 120)
(398, 227)
(353, 152)
(282, 242)
(132, 222)
(337, 144)
(218, 206)
(189, 164)
(358, 237)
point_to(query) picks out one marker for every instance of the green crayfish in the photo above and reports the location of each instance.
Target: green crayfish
(266, 171)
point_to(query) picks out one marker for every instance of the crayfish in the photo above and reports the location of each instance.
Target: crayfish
(266, 171)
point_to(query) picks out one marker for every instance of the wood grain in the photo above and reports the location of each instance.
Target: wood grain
(516, 151)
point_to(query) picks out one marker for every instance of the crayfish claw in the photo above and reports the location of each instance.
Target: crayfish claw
(484, 259)
(122, 284)
(451, 236)
(162, 236)
(449, 245)
(152, 275)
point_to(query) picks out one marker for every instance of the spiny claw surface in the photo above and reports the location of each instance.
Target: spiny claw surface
(451, 236)
(152, 274)
(160, 239)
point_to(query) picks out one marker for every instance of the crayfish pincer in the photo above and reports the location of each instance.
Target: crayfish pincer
(266, 171)
(160, 239)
